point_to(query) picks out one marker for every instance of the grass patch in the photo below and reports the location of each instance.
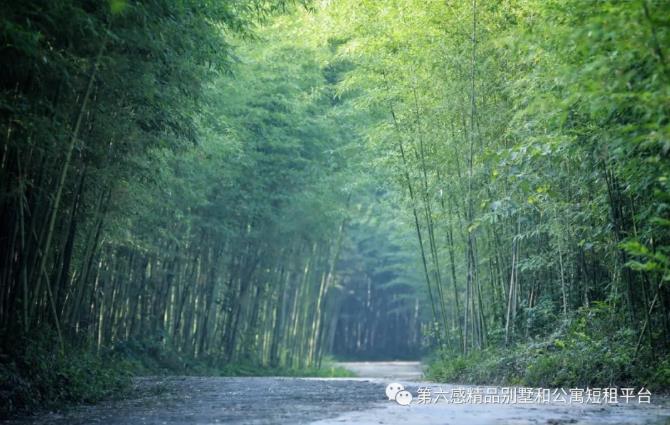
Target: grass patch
(154, 358)
(325, 371)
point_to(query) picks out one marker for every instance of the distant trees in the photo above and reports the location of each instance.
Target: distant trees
(382, 312)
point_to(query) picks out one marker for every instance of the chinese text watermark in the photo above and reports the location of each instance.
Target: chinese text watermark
(517, 395)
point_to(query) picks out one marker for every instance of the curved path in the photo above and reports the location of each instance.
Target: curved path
(267, 400)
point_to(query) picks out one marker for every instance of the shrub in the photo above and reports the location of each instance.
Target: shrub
(35, 373)
(588, 350)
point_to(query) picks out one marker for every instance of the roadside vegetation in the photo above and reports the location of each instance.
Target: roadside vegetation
(530, 142)
(176, 180)
(590, 350)
(41, 377)
(248, 186)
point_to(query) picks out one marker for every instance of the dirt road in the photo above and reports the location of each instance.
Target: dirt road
(213, 400)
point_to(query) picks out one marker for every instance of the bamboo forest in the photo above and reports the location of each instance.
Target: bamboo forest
(234, 188)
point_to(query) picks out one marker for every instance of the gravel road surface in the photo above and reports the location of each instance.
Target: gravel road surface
(268, 400)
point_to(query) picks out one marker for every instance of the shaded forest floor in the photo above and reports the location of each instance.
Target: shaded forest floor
(36, 375)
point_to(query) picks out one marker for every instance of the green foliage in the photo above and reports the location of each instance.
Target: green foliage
(167, 198)
(587, 351)
(530, 142)
(148, 358)
(35, 373)
(242, 369)
(541, 319)
(205, 193)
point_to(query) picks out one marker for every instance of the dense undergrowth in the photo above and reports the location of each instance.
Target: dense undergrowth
(36, 374)
(588, 349)
(151, 357)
